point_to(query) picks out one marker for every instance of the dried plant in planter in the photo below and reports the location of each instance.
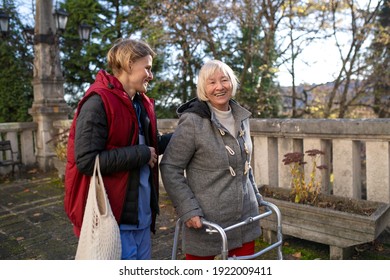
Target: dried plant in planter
(61, 151)
(60, 142)
(302, 191)
(309, 192)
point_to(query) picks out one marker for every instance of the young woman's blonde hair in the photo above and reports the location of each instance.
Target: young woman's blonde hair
(126, 51)
(207, 70)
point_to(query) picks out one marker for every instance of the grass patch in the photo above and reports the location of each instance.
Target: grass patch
(297, 249)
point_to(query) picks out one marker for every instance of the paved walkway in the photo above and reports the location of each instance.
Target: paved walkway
(33, 224)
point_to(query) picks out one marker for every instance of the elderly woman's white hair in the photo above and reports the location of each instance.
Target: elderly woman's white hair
(207, 70)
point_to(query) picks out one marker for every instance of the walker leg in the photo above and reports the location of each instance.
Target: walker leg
(176, 239)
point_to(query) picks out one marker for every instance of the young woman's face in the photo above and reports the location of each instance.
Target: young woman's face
(137, 78)
(219, 90)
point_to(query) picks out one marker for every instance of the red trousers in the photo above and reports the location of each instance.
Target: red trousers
(246, 249)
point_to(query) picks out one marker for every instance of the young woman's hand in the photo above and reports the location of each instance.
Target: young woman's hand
(153, 157)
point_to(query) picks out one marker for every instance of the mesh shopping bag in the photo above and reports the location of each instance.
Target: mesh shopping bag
(100, 235)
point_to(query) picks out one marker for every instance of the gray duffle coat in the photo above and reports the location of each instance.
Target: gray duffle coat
(206, 172)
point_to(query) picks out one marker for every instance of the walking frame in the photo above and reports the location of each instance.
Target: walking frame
(269, 209)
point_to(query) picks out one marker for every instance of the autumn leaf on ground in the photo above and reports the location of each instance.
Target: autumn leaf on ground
(379, 247)
(297, 255)
(32, 171)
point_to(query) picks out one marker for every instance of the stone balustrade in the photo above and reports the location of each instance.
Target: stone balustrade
(23, 142)
(357, 151)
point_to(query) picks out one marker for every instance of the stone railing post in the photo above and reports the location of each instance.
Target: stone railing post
(378, 171)
(346, 168)
(22, 137)
(265, 160)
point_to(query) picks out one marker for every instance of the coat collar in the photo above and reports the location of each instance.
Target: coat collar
(202, 109)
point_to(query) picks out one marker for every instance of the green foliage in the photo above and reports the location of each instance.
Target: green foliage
(294, 248)
(82, 60)
(110, 20)
(16, 92)
(379, 59)
(254, 61)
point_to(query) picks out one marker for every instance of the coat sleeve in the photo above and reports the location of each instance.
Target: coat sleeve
(90, 140)
(178, 154)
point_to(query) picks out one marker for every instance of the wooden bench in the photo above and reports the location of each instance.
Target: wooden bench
(11, 159)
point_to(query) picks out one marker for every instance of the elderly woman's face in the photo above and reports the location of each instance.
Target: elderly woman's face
(219, 90)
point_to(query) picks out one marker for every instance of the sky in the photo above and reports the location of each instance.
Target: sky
(317, 64)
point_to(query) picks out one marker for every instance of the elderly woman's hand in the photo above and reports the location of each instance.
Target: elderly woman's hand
(194, 222)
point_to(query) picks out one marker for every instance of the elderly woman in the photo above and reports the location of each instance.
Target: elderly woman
(206, 167)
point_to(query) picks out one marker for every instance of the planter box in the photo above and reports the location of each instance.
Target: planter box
(340, 230)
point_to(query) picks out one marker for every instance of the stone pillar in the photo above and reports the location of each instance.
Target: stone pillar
(27, 146)
(346, 168)
(265, 156)
(337, 253)
(49, 104)
(378, 171)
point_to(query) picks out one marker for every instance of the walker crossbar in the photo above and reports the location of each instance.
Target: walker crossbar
(215, 228)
